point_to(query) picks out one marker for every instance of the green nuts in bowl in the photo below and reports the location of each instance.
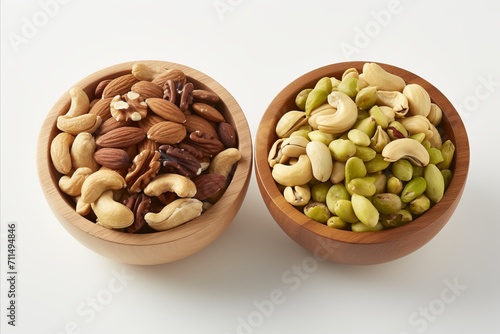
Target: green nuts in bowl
(370, 138)
(361, 162)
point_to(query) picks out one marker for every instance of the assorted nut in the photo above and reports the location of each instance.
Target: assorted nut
(148, 151)
(363, 152)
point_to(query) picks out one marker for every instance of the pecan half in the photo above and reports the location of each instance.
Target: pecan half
(170, 91)
(179, 93)
(206, 143)
(178, 160)
(144, 168)
(186, 98)
(139, 204)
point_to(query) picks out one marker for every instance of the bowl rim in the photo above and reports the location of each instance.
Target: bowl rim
(295, 217)
(71, 220)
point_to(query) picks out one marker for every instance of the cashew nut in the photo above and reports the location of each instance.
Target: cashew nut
(419, 100)
(99, 182)
(275, 154)
(290, 122)
(350, 73)
(82, 209)
(223, 162)
(435, 114)
(418, 124)
(376, 76)
(321, 160)
(170, 182)
(406, 148)
(298, 195)
(110, 213)
(294, 146)
(72, 185)
(395, 100)
(60, 152)
(343, 119)
(83, 123)
(82, 152)
(77, 119)
(174, 214)
(147, 72)
(436, 140)
(292, 175)
(80, 103)
(324, 109)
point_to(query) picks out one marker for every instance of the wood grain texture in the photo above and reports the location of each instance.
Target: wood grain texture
(159, 247)
(346, 246)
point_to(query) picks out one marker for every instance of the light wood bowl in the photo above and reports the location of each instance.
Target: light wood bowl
(158, 247)
(352, 247)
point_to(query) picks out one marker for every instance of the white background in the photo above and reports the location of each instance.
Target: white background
(253, 279)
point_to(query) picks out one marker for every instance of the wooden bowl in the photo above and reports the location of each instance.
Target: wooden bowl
(353, 247)
(158, 247)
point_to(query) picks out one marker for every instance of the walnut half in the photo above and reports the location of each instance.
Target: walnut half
(130, 106)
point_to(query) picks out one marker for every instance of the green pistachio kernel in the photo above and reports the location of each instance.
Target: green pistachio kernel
(387, 202)
(447, 151)
(364, 186)
(435, 183)
(435, 156)
(414, 188)
(420, 205)
(354, 167)
(319, 191)
(402, 169)
(394, 185)
(315, 98)
(360, 227)
(348, 86)
(317, 211)
(335, 193)
(342, 149)
(447, 175)
(366, 97)
(364, 210)
(337, 222)
(344, 209)
(365, 153)
(300, 99)
(377, 164)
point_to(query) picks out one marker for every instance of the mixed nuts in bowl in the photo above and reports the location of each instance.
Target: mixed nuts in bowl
(361, 162)
(138, 161)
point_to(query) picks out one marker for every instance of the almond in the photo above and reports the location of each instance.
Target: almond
(124, 136)
(111, 124)
(150, 120)
(100, 87)
(207, 185)
(227, 134)
(208, 112)
(114, 158)
(102, 108)
(205, 96)
(174, 74)
(166, 109)
(119, 86)
(147, 89)
(167, 132)
(197, 123)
